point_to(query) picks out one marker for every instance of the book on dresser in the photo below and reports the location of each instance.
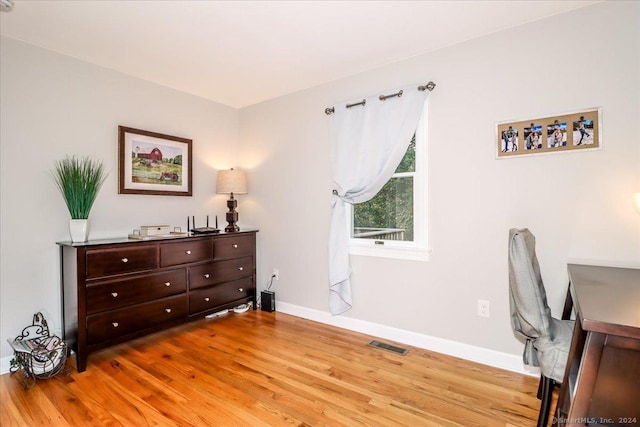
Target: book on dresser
(116, 290)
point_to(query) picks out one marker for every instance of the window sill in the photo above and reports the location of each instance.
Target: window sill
(411, 254)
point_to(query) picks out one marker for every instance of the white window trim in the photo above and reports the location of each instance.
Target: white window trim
(418, 250)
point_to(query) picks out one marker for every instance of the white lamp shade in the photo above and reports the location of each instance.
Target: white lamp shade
(636, 201)
(231, 181)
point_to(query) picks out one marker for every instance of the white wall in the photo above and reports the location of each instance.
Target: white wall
(54, 105)
(578, 204)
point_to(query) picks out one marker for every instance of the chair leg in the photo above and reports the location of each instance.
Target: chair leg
(540, 384)
(545, 406)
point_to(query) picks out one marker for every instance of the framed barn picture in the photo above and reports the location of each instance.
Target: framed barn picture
(153, 163)
(575, 131)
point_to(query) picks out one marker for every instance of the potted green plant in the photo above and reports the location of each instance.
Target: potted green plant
(79, 180)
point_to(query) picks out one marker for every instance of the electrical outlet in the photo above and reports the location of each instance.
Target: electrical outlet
(275, 274)
(483, 308)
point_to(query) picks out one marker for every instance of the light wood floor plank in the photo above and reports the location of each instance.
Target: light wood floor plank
(270, 369)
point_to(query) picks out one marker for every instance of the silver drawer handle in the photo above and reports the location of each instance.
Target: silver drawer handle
(125, 259)
(168, 310)
(115, 324)
(207, 299)
(187, 252)
(240, 268)
(167, 284)
(114, 294)
(206, 276)
(235, 246)
(240, 290)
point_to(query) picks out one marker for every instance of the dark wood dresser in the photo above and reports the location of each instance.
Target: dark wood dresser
(119, 289)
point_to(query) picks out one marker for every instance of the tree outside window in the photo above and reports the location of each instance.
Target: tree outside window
(390, 214)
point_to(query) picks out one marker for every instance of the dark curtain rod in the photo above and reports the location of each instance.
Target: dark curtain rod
(429, 86)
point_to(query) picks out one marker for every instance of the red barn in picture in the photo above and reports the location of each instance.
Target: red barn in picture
(154, 154)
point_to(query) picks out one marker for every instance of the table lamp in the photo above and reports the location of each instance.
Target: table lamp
(231, 182)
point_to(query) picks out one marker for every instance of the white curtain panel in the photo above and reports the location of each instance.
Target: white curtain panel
(367, 145)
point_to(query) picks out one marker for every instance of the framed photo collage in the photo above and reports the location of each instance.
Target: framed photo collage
(565, 132)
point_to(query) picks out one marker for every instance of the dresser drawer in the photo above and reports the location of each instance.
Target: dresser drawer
(185, 252)
(234, 246)
(114, 294)
(108, 262)
(208, 298)
(114, 324)
(220, 271)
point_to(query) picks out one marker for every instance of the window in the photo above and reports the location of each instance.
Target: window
(393, 224)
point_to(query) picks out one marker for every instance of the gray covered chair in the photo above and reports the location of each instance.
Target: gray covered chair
(547, 339)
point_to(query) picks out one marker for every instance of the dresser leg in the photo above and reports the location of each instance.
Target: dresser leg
(81, 363)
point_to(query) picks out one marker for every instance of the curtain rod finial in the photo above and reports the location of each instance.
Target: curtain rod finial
(429, 86)
(329, 111)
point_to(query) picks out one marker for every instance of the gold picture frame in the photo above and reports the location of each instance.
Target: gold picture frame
(575, 131)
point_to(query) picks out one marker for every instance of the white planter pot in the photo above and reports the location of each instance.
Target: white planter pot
(79, 230)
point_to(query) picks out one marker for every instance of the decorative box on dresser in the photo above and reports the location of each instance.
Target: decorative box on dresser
(119, 289)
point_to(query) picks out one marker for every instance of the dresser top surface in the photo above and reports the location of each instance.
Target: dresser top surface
(120, 240)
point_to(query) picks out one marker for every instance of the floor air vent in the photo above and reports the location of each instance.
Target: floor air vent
(392, 348)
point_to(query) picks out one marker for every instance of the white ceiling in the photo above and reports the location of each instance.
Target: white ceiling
(240, 53)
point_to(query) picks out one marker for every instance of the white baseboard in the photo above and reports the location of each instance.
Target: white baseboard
(472, 353)
(5, 364)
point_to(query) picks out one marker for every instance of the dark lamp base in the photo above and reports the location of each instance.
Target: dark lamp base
(232, 216)
(231, 228)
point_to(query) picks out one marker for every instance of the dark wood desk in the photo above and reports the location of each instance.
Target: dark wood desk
(601, 383)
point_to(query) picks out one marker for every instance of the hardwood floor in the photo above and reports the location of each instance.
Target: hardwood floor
(258, 369)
